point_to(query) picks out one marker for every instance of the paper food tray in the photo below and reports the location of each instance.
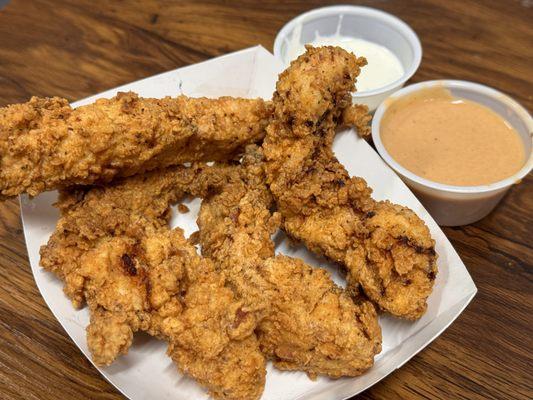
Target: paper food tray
(146, 372)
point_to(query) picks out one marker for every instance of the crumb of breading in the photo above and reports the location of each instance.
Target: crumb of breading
(182, 208)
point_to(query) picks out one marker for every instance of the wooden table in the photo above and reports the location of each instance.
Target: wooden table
(77, 48)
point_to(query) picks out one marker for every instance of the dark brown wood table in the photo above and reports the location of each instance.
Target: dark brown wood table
(77, 48)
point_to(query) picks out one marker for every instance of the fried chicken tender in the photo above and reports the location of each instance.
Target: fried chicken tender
(125, 208)
(114, 251)
(235, 230)
(386, 248)
(45, 144)
(311, 324)
(210, 338)
(92, 249)
(314, 325)
(116, 294)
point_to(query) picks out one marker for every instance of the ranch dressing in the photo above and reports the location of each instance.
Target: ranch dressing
(383, 66)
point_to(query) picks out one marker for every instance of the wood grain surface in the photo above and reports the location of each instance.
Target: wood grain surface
(77, 48)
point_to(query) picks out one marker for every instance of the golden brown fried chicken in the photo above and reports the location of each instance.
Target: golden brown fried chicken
(309, 323)
(210, 337)
(45, 144)
(125, 208)
(114, 250)
(386, 248)
(116, 293)
(92, 249)
(314, 325)
(235, 230)
(135, 274)
(202, 320)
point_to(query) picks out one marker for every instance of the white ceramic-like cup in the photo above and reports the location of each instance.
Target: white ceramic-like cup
(358, 22)
(461, 205)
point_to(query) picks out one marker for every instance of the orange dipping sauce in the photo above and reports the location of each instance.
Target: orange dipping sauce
(449, 140)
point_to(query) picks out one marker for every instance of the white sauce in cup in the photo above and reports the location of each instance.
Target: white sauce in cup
(383, 66)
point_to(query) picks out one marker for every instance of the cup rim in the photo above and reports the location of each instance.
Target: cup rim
(474, 87)
(402, 27)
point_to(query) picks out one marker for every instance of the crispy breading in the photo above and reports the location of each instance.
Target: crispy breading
(309, 323)
(45, 144)
(116, 293)
(114, 250)
(235, 229)
(210, 337)
(386, 248)
(125, 208)
(314, 325)
(225, 311)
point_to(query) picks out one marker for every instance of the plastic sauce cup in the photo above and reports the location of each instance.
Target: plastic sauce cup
(461, 205)
(358, 22)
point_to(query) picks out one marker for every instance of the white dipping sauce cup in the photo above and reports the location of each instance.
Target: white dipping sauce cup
(461, 205)
(358, 22)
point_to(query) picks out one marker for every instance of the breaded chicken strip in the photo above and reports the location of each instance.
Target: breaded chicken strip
(386, 248)
(114, 251)
(116, 293)
(45, 144)
(210, 338)
(92, 249)
(125, 208)
(312, 325)
(235, 229)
